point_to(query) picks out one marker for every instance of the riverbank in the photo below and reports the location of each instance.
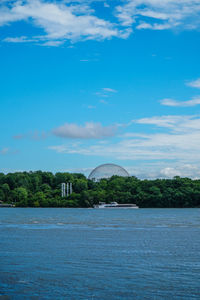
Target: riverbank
(43, 189)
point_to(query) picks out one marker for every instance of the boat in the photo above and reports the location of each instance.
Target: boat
(6, 205)
(115, 205)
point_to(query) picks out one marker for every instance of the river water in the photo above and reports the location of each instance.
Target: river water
(58, 253)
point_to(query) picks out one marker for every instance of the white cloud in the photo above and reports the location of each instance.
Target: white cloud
(182, 170)
(62, 20)
(159, 15)
(164, 121)
(171, 102)
(89, 131)
(105, 93)
(195, 83)
(170, 172)
(21, 39)
(180, 144)
(155, 26)
(154, 170)
(52, 43)
(154, 147)
(174, 123)
(109, 90)
(59, 20)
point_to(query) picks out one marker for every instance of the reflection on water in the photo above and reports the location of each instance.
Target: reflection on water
(99, 254)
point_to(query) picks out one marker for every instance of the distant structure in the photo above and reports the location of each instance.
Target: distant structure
(70, 188)
(107, 171)
(66, 191)
(63, 189)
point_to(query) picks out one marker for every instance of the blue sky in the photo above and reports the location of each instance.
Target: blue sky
(89, 82)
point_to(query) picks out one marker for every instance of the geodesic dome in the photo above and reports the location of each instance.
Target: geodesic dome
(107, 171)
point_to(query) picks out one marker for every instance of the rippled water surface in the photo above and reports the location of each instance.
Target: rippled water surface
(99, 254)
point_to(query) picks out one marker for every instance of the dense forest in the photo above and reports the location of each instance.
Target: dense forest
(43, 189)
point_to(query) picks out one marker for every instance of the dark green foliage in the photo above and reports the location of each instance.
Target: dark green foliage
(43, 189)
(20, 195)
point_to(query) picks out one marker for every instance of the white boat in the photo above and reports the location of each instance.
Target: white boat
(115, 205)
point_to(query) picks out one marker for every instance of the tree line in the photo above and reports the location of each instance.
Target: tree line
(43, 189)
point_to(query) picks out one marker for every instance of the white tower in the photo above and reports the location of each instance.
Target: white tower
(63, 193)
(66, 191)
(70, 188)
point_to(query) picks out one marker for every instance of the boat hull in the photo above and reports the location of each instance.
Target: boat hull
(116, 205)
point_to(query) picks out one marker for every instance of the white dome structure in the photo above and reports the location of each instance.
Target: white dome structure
(107, 171)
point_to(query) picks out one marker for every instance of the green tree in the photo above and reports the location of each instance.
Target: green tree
(6, 190)
(20, 196)
(80, 185)
(2, 195)
(40, 198)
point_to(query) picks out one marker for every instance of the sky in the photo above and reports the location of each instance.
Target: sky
(87, 82)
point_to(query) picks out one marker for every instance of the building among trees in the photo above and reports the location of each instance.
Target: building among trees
(107, 171)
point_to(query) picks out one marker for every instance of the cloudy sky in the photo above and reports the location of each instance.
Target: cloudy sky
(89, 82)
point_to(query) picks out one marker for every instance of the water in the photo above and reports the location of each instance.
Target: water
(99, 254)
